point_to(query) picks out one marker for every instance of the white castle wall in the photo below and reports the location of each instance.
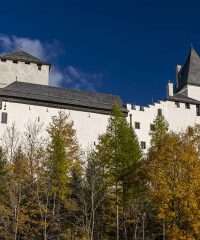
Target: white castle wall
(178, 118)
(193, 92)
(88, 126)
(24, 73)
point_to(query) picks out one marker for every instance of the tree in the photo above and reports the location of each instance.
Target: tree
(64, 157)
(174, 170)
(161, 127)
(4, 210)
(88, 194)
(119, 151)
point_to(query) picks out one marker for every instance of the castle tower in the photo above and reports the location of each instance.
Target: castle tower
(23, 67)
(188, 77)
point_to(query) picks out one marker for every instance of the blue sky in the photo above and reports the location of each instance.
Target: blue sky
(124, 47)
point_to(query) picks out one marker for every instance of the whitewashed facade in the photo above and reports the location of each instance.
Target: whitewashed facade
(181, 108)
(26, 97)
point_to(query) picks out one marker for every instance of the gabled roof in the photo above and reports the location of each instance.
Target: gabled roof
(60, 97)
(23, 56)
(190, 71)
(182, 98)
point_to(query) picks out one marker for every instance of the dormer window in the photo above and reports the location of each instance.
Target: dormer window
(39, 67)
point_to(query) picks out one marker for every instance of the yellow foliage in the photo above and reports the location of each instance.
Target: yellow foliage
(174, 173)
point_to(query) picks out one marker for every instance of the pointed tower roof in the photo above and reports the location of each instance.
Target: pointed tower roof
(190, 71)
(22, 56)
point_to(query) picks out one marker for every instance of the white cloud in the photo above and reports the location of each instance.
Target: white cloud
(35, 47)
(56, 77)
(69, 76)
(81, 80)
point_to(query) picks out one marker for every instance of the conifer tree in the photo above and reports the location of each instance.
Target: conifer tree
(161, 127)
(64, 157)
(119, 151)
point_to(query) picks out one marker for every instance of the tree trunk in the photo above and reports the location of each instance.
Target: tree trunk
(117, 212)
(124, 215)
(93, 213)
(143, 226)
(164, 233)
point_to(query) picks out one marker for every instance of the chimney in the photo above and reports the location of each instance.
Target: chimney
(170, 89)
(178, 68)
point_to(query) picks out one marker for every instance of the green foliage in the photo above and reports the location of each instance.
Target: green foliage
(46, 192)
(63, 153)
(118, 148)
(120, 155)
(161, 127)
(59, 166)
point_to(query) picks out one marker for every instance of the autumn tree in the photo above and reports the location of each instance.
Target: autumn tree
(88, 195)
(174, 169)
(64, 157)
(4, 209)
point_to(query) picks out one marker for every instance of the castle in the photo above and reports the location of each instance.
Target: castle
(25, 96)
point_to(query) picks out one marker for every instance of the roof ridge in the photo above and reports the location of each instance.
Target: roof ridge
(23, 56)
(60, 88)
(21, 91)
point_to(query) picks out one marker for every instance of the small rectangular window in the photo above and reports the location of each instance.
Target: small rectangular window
(27, 62)
(3, 60)
(137, 125)
(4, 117)
(39, 67)
(177, 104)
(152, 127)
(15, 61)
(187, 105)
(141, 108)
(159, 112)
(133, 107)
(131, 122)
(143, 145)
(198, 110)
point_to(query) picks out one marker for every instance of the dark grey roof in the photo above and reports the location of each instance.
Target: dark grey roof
(190, 71)
(22, 56)
(61, 96)
(182, 98)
